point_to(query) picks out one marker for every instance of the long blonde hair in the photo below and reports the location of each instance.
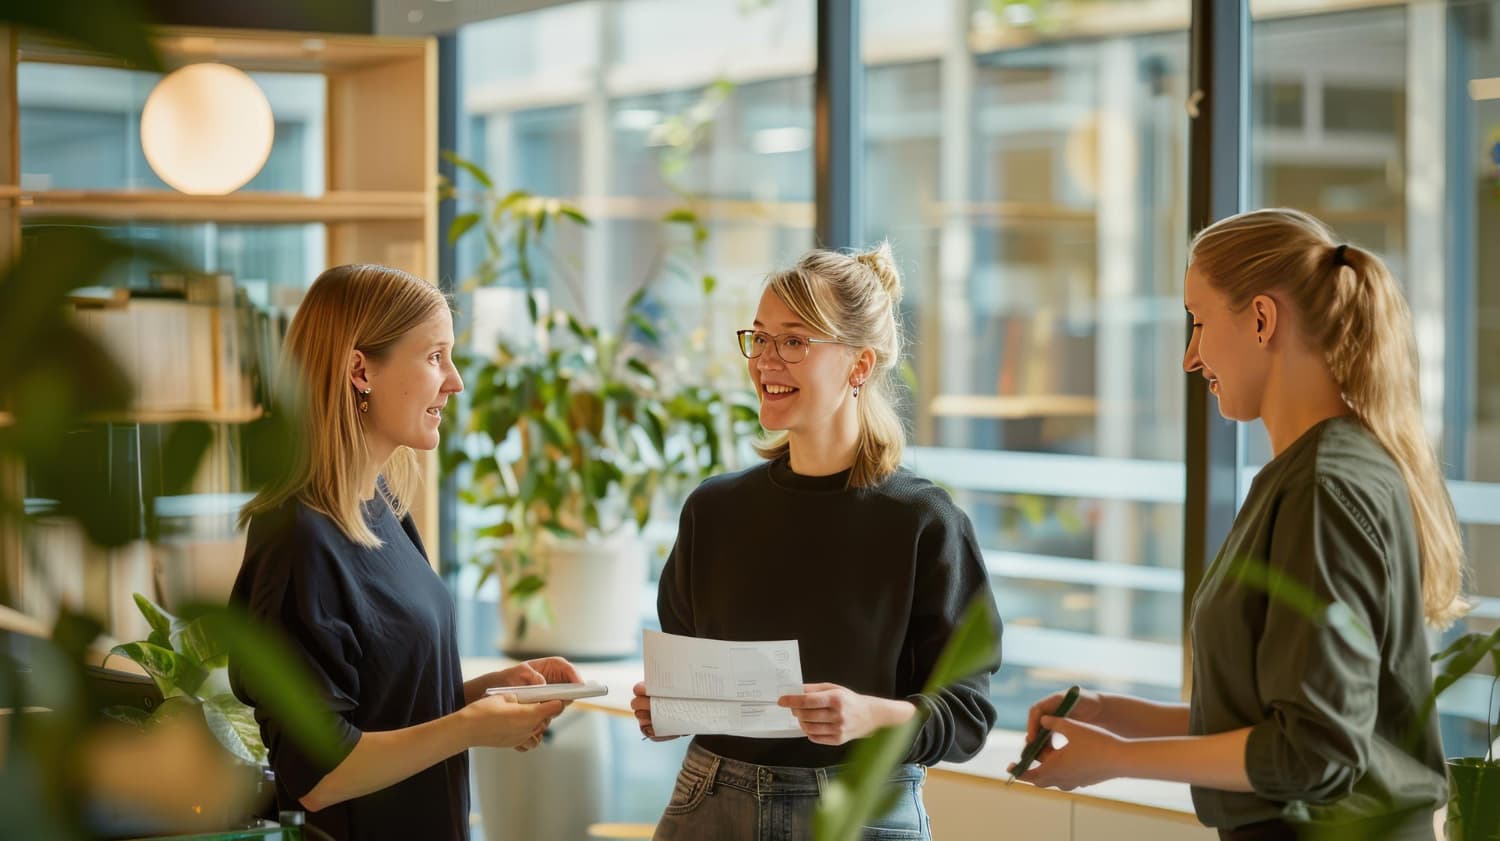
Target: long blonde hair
(853, 297)
(356, 307)
(1354, 313)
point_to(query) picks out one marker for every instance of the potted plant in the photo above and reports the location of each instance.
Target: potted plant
(191, 668)
(1473, 781)
(571, 432)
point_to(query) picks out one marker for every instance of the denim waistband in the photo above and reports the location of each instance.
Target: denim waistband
(775, 779)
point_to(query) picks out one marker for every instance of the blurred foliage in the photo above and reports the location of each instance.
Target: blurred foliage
(61, 754)
(862, 791)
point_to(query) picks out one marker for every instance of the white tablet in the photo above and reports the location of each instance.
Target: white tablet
(551, 691)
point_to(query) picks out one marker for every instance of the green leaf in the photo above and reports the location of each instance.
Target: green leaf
(656, 429)
(573, 213)
(173, 673)
(864, 791)
(126, 714)
(635, 300)
(680, 216)
(461, 225)
(279, 680)
(559, 530)
(159, 620)
(1461, 657)
(526, 587)
(500, 530)
(475, 170)
(233, 724)
(710, 283)
(194, 641)
(973, 647)
(641, 368)
(647, 328)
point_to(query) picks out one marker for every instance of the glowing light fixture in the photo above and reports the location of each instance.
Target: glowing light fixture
(207, 129)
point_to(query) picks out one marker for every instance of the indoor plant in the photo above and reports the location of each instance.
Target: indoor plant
(190, 667)
(1473, 781)
(571, 432)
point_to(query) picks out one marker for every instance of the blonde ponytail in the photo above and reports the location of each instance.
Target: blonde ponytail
(853, 298)
(1356, 315)
(1372, 354)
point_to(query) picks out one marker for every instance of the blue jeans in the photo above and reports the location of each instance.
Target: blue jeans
(720, 799)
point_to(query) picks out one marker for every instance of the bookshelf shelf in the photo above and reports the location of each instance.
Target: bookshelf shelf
(147, 416)
(166, 206)
(169, 416)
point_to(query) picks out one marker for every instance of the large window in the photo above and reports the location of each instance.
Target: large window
(1029, 163)
(1032, 178)
(631, 109)
(1385, 122)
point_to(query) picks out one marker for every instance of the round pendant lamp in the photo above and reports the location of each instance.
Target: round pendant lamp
(207, 129)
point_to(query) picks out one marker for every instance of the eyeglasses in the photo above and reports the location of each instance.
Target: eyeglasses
(791, 348)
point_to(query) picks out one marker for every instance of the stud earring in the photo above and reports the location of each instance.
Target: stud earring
(364, 404)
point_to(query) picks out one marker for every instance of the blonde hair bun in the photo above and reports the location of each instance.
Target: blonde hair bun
(882, 262)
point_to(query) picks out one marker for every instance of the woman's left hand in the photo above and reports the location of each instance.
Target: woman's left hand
(1091, 755)
(831, 715)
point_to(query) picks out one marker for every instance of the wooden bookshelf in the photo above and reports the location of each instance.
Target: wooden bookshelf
(378, 203)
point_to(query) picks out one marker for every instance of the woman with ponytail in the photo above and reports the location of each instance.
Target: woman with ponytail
(1307, 716)
(832, 543)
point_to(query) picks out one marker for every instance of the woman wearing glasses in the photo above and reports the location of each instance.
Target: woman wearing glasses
(831, 543)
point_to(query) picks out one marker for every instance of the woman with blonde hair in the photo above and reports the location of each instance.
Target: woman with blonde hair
(1310, 662)
(333, 561)
(832, 543)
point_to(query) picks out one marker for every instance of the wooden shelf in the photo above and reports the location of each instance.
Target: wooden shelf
(168, 206)
(1010, 407)
(247, 49)
(172, 416)
(158, 416)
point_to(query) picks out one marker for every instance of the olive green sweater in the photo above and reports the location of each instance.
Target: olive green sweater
(1323, 547)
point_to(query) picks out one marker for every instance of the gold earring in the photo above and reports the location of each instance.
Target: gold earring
(364, 405)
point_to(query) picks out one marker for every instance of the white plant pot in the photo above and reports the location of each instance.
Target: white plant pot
(593, 591)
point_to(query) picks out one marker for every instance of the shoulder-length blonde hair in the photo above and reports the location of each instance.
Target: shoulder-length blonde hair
(356, 307)
(1354, 313)
(853, 297)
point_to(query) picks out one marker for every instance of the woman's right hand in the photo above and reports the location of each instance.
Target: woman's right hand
(1089, 708)
(497, 721)
(641, 705)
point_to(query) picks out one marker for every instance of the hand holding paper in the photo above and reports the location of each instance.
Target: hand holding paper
(700, 686)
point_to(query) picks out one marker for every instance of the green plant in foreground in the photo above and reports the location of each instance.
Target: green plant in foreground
(191, 668)
(863, 792)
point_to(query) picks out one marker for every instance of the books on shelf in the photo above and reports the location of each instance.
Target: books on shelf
(193, 344)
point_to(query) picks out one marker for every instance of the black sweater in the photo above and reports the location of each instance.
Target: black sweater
(376, 629)
(870, 581)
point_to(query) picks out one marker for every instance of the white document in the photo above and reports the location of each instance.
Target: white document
(700, 686)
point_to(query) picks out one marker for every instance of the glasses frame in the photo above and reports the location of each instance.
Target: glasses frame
(776, 344)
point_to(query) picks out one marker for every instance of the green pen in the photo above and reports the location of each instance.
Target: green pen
(1034, 747)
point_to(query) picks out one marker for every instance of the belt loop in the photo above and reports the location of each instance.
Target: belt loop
(713, 774)
(822, 774)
